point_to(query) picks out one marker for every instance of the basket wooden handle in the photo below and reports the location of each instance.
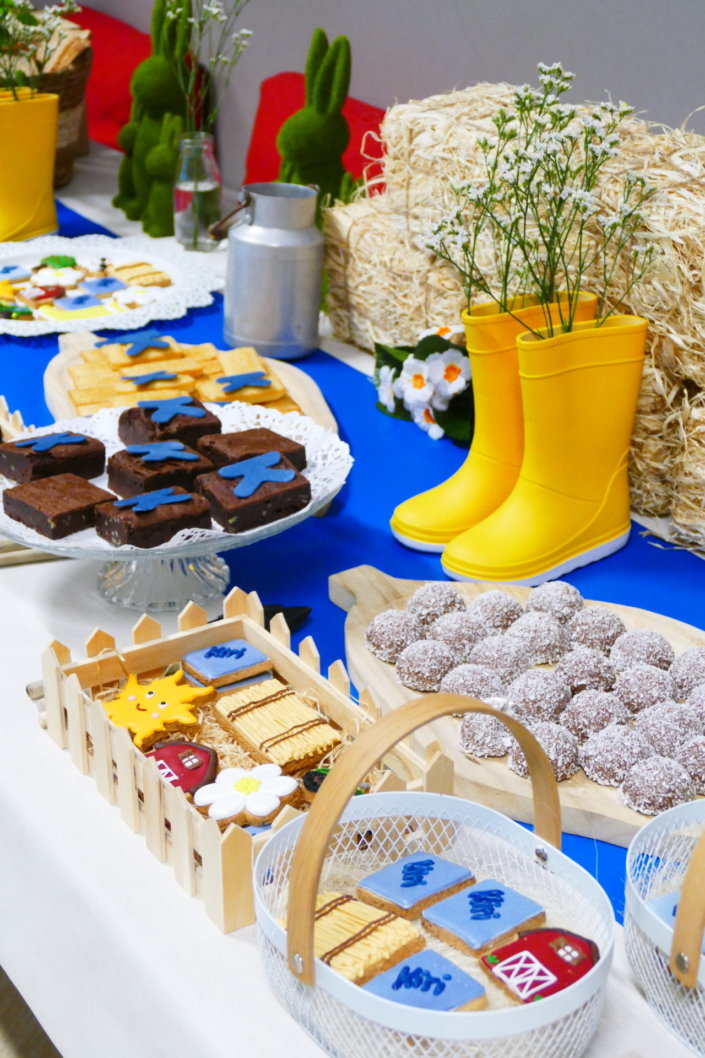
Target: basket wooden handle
(690, 920)
(350, 769)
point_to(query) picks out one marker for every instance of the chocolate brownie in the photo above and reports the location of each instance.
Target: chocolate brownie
(55, 506)
(151, 518)
(255, 492)
(226, 448)
(144, 468)
(176, 419)
(47, 454)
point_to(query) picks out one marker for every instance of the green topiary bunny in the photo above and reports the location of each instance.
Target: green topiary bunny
(312, 141)
(156, 98)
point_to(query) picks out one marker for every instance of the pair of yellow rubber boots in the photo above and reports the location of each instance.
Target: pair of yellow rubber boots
(544, 488)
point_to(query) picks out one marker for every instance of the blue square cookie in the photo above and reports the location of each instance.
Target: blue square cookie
(429, 981)
(482, 916)
(225, 663)
(413, 883)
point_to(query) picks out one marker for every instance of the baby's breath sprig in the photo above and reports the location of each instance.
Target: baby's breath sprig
(534, 223)
(28, 39)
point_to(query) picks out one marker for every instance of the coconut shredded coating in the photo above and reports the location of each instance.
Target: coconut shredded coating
(496, 609)
(591, 711)
(688, 670)
(691, 756)
(538, 694)
(543, 637)
(641, 644)
(585, 669)
(667, 725)
(477, 681)
(640, 686)
(651, 786)
(431, 600)
(507, 657)
(421, 666)
(559, 745)
(595, 627)
(608, 755)
(485, 736)
(388, 633)
(557, 598)
(458, 630)
(696, 699)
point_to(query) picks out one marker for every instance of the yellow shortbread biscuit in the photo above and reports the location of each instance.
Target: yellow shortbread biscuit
(141, 274)
(285, 404)
(244, 361)
(102, 389)
(117, 400)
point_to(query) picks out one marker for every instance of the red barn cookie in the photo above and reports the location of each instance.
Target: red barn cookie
(187, 765)
(540, 962)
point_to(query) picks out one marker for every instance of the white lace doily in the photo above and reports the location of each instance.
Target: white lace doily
(328, 465)
(193, 277)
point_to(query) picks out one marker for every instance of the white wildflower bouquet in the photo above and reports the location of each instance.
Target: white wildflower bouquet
(29, 36)
(536, 224)
(428, 383)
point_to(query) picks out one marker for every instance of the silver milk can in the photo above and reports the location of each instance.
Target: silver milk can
(273, 280)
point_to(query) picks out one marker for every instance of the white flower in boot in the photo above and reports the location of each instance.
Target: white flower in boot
(385, 388)
(449, 372)
(413, 384)
(235, 790)
(424, 417)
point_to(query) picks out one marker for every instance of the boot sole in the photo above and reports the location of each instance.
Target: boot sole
(594, 554)
(418, 545)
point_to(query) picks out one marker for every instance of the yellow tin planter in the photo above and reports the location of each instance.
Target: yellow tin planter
(27, 149)
(570, 504)
(429, 521)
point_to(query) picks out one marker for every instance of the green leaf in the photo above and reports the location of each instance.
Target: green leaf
(400, 412)
(432, 343)
(396, 355)
(458, 419)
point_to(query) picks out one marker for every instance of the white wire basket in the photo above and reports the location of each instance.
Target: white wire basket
(345, 837)
(668, 856)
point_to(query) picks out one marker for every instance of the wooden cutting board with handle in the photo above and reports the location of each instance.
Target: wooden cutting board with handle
(589, 809)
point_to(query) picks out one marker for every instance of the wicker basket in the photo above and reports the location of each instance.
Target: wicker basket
(72, 137)
(669, 854)
(348, 1021)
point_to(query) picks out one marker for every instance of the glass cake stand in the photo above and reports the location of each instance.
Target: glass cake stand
(188, 567)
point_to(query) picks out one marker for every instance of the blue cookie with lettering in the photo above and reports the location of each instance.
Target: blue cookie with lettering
(225, 663)
(414, 883)
(665, 908)
(429, 981)
(225, 688)
(482, 916)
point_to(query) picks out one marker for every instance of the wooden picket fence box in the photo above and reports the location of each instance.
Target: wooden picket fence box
(212, 865)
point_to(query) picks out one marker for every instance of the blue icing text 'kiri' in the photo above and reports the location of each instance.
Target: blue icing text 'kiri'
(138, 342)
(150, 501)
(255, 472)
(146, 380)
(166, 410)
(50, 440)
(231, 383)
(483, 913)
(414, 878)
(428, 981)
(413, 874)
(159, 451)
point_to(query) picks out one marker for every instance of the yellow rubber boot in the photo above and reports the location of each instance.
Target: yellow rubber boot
(428, 522)
(570, 505)
(28, 137)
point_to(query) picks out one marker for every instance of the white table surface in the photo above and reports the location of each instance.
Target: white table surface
(112, 956)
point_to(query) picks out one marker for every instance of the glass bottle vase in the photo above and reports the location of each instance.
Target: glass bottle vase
(196, 192)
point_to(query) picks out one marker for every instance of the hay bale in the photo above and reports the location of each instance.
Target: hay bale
(688, 509)
(656, 441)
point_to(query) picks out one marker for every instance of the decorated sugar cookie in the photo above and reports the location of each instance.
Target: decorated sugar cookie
(187, 765)
(161, 706)
(414, 883)
(482, 916)
(225, 663)
(254, 796)
(540, 962)
(431, 982)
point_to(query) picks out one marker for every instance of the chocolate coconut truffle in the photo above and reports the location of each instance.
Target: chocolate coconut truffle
(557, 598)
(696, 699)
(431, 600)
(458, 630)
(667, 725)
(640, 686)
(651, 786)
(688, 670)
(595, 627)
(496, 609)
(590, 711)
(538, 694)
(390, 632)
(543, 637)
(507, 657)
(608, 755)
(483, 736)
(691, 755)
(559, 745)
(641, 644)
(477, 681)
(586, 669)
(421, 666)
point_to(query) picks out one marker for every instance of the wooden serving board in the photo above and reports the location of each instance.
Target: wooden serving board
(58, 382)
(587, 808)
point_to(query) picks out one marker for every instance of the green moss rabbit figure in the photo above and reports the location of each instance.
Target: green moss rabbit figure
(312, 141)
(156, 94)
(161, 164)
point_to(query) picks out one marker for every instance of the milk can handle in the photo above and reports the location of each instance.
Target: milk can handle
(350, 769)
(220, 228)
(690, 920)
